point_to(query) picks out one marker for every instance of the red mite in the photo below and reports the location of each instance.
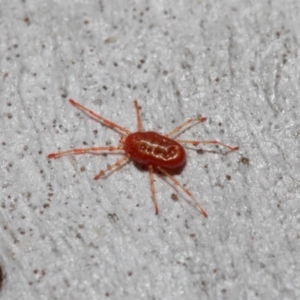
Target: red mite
(157, 152)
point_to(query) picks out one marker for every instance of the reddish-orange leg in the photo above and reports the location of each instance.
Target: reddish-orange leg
(150, 168)
(96, 150)
(138, 116)
(196, 143)
(117, 164)
(185, 124)
(93, 150)
(176, 182)
(99, 118)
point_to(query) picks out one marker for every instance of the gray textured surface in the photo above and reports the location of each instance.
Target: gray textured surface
(64, 235)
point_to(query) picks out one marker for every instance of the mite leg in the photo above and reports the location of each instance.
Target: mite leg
(185, 124)
(138, 116)
(185, 190)
(150, 167)
(196, 143)
(99, 118)
(93, 150)
(117, 164)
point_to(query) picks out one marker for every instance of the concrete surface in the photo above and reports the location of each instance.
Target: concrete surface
(64, 235)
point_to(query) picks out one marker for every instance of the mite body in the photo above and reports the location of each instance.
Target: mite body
(158, 152)
(152, 148)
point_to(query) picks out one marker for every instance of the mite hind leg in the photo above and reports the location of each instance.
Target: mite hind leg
(214, 142)
(150, 168)
(92, 150)
(185, 125)
(176, 182)
(98, 118)
(119, 163)
(138, 116)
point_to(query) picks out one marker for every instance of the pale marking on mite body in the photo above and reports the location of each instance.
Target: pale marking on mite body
(158, 152)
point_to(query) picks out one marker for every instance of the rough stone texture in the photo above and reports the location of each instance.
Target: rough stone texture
(64, 235)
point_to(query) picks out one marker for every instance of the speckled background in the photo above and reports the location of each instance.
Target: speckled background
(64, 235)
